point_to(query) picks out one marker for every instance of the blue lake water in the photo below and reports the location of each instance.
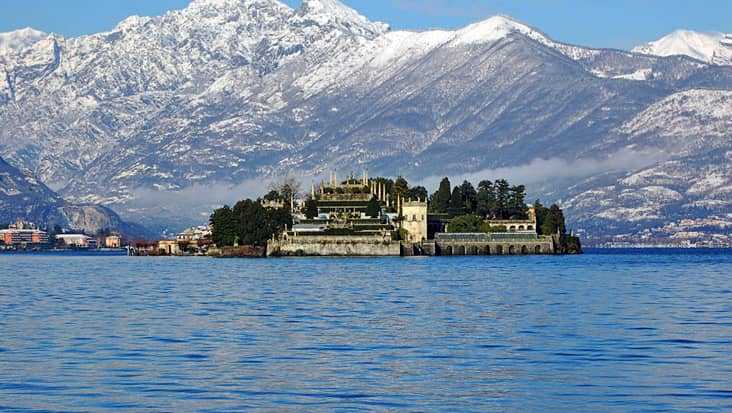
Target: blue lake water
(607, 331)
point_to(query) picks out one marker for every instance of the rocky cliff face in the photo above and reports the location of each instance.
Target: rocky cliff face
(183, 106)
(23, 197)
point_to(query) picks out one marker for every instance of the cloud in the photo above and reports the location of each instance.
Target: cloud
(199, 200)
(197, 195)
(196, 202)
(541, 171)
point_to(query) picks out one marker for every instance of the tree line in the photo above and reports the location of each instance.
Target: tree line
(493, 200)
(549, 221)
(249, 223)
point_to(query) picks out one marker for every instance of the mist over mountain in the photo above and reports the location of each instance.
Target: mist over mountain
(164, 117)
(22, 197)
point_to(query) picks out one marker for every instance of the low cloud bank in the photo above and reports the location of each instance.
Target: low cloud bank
(541, 171)
(196, 202)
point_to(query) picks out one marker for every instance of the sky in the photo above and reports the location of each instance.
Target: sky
(618, 24)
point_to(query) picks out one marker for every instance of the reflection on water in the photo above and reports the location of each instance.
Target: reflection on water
(628, 331)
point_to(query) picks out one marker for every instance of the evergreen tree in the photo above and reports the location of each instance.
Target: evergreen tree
(486, 199)
(470, 197)
(248, 223)
(373, 209)
(440, 201)
(554, 221)
(517, 202)
(223, 224)
(541, 212)
(311, 208)
(502, 194)
(456, 206)
(252, 222)
(400, 189)
(273, 195)
(418, 192)
(276, 220)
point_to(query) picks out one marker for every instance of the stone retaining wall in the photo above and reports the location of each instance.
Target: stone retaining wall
(507, 247)
(334, 246)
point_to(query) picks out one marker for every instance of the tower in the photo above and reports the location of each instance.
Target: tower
(415, 219)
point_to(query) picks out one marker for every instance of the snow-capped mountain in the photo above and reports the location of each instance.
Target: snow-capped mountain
(172, 111)
(18, 39)
(712, 47)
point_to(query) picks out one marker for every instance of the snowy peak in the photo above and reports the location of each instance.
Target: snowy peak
(199, 4)
(496, 28)
(18, 39)
(333, 12)
(712, 47)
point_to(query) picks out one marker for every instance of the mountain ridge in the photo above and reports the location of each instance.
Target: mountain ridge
(227, 92)
(709, 47)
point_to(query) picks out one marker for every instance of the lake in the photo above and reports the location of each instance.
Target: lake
(627, 330)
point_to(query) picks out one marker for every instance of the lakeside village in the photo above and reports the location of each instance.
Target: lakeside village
(377, 217)
(25, 236)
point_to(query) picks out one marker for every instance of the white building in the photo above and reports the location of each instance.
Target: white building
(77, 240)
(194, 233)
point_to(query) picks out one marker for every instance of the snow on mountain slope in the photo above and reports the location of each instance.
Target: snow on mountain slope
(325, 12)
(18, 39)
(713, 47)
(492, 29)
(662, 202)
(225, 91)
(498, 27)
(685, 122)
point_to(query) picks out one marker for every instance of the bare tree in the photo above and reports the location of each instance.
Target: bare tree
(288, 187)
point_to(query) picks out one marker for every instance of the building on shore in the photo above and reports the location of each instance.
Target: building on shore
(169, 247)
(342, 226)
(194, 233)
(23, 237)
(113, 241)
(77, 241)
(414, 220)
(192, 241)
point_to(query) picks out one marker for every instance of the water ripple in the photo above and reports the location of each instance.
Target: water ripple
(619, 331)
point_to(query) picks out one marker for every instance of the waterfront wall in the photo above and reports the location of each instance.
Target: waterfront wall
(543, 246)
(237, 252)
(334, 246)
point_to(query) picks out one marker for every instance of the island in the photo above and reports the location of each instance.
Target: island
(383, 217)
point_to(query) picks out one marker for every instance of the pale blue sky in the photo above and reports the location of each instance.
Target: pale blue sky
(598, 23)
